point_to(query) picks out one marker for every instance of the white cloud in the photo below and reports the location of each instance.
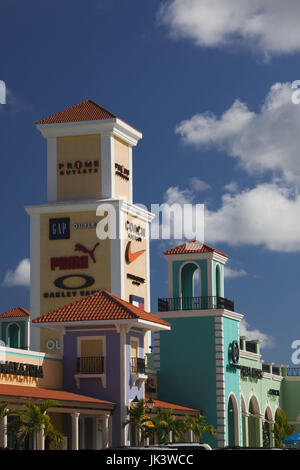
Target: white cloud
(198, 185)
(231, 273)
(207, 130)
(267, 141)
(271, 27)
(231, 187)
(267, 215)
(18, 277)
(267, 340)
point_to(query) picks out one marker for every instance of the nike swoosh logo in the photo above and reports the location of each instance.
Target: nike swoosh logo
(129, 256)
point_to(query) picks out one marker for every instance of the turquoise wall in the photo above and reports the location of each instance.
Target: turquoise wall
(187, 373)
(22, 326)
(232, 376)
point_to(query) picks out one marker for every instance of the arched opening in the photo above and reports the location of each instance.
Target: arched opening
(267, 428)
(190, 286)
(13, 336)
(232, 421)
(254, 427)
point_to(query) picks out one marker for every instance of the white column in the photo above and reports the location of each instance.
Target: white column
(110, 431)
(75, 431)
(107, 166)
(3, 432)
(105, 432)
(51, 169)
(40, 441)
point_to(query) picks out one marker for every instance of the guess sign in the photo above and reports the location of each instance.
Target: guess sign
(59, 229)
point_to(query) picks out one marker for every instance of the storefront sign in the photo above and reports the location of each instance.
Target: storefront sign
(248, 371)
(122, 171)
(272, 391)
(85, 225)
(129, 256)
(52, 344)
(59, 229)
(79, 167)
(69, 294)
(137, 301)
(70, 262)
(136, 280)
(19, 368)
(135, 232)
(235, 352)
(84, 281)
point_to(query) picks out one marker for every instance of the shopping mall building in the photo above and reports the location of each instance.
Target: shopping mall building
(91, 341)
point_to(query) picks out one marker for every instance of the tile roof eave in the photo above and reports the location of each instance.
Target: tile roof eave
(112, 120)
(61, 323)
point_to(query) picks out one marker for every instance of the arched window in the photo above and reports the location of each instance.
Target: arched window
(190, 286)
(13, 336)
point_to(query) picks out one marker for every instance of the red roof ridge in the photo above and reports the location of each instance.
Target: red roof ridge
(181, 249)
(87, 110)
(16, 312)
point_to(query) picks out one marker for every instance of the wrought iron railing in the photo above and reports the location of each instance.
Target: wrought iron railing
(137, 365)
(91, 365)
(194, 303)
(293, 371)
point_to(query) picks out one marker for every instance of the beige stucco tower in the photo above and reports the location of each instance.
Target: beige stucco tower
(89, 183)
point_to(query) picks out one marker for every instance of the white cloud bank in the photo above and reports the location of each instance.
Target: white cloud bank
(267, 215)
(267, 340)
(267, 141)
(19, 276)
(268, 26)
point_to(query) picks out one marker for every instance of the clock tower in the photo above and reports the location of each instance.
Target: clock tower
(88, 235)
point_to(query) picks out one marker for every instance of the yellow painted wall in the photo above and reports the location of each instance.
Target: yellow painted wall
(87, 183)
(52, 372)
(53, 297)
(121, 150)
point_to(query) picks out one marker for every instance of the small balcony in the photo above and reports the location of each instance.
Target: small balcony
(137, 365)
(91, 365)
(194, 303)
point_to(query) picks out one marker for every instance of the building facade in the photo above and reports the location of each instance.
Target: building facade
(90, 341)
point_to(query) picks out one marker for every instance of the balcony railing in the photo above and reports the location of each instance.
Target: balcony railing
(293, 371)
(137, 365)
(266, 368)
(90, 365)
(195, 303)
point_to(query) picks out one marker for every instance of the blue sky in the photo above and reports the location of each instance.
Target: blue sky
(208, 83)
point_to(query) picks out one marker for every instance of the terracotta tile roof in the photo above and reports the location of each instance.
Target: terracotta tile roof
(173, 406)
(21, 391)
(192, 247)
(99, 306)
(15, 312)
(88, 110)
